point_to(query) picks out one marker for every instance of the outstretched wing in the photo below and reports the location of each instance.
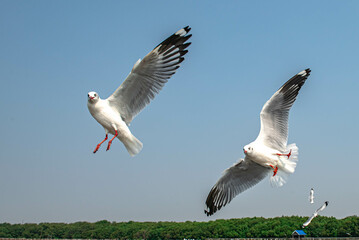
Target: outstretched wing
(236, 179)
(275, 112)
(322, 207)
(149, 75)
(310, 219)
(316, 213)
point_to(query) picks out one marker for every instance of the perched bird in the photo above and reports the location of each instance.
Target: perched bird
(315, 214)
(311, 196)
(269, 153)
(145, 80)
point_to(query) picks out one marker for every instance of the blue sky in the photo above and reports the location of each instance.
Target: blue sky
(53, 52)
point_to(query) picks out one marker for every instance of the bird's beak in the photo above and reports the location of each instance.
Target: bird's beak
(245, 151)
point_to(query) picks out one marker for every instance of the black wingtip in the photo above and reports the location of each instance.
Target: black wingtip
(178, 39)
(184, 46)
(292, 86)
(183, 31)
(187, 29)
(304, 73)
(208, 213)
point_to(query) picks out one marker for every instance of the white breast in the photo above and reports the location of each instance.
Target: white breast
(106, 116)
(264, 155)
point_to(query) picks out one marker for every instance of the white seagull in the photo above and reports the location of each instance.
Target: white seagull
(315, 214)
(311, 196)
(145, 80)
(268, 153)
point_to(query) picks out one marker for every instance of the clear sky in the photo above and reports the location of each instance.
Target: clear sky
(52, 53)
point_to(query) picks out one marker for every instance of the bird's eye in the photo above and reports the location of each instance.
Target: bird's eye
(95, 94)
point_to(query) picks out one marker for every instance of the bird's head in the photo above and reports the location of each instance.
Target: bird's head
(247, 149)
(92, 97)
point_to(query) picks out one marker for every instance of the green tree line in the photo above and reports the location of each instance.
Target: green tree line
(258, 227)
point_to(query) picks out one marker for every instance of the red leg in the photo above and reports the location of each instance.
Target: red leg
(275, 170)
(288, 155)
(110, 142)
(98, 145)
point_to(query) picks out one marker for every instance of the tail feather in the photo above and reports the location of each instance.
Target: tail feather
(133, 145)
(279, 179)
(287, 168)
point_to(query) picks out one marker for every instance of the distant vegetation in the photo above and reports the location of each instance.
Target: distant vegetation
(232, 228)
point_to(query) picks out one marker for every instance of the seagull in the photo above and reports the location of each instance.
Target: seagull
(311, 196)
(268, 154)
(145, 80)
(315, 214)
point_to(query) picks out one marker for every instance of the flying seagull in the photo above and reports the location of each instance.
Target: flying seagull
(268, 154)
(311, 196)
(315, 214)
(145, 80)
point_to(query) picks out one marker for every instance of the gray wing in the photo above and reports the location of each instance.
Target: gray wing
(236, 179)
(149, 75)
(275, 112)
